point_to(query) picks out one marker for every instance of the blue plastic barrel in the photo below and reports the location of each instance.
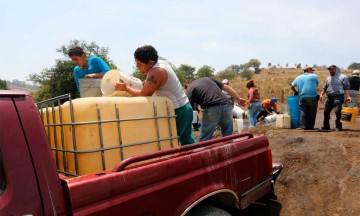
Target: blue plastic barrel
(293, 103)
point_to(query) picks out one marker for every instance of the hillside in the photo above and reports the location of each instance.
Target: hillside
(21, 85)
(321, 169)
(276, 82)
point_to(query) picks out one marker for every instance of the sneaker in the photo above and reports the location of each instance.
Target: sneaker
(338, 129)
(325, 128)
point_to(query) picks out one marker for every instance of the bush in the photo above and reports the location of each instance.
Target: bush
(247, 74)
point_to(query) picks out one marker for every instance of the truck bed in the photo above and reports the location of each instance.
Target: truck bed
(228, 166)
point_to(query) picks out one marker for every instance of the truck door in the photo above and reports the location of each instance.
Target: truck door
(19, 189)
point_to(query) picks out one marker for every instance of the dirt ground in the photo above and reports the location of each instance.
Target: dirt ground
(321, 174)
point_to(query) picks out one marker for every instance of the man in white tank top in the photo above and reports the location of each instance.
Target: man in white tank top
(161, 80)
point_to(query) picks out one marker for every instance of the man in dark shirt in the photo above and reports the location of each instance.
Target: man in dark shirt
(216, 106)
(354, 81)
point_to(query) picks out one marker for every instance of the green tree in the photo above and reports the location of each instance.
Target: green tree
(269, 64)
(298, 65)
(182, 73)
(186, 70)
(255, 64)
(3, 84)
(244, 67)
(354, 66)
(205, 71)
(59, 79)
(181, 76)
(226, 74)
(136, 73)
(235, 68)
(247, 74)
(55, 81)
(89, 49)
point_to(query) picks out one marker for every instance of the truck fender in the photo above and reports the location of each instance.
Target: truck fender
(222, 197)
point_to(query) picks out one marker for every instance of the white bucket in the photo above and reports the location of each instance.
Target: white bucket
(270, 118)
(90, 87)
(195, 117)
(238, 125)
(237, 112)
(114, 76)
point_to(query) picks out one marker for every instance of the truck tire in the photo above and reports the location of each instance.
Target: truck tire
(204, 210)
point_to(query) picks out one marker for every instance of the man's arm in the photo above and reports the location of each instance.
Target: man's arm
(101, 66)
(294, 89)
(322, 95)
(323, 91)
(154, 79)
(231, 91)
(275, 107)
(348, 97)
(94, 75)
(346, 86)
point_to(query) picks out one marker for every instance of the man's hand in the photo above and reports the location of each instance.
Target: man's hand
(89, 76)
(120, 86)
(241, 102)
(93, 75)
(349, 99)
(321, 98)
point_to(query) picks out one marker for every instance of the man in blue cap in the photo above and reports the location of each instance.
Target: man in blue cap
(268, 106)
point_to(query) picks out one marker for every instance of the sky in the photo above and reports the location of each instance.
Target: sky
(193, 32)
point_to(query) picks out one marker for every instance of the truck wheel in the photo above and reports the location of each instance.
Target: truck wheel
(204, 210)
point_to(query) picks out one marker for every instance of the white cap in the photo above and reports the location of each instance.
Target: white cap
(355, 72)
(225, 81)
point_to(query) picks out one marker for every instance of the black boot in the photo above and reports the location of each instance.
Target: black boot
(326, 126)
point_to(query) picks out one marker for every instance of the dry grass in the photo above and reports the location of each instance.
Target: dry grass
(276, 82)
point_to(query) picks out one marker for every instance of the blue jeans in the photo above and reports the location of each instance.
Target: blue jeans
(253, 112)
(216, 116)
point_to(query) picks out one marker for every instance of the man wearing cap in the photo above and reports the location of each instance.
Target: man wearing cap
(336, 86)
(267, 107)
(354, 81)
(305, 86)
(227, 82)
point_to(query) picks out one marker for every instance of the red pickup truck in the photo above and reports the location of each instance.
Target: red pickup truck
(200, 179)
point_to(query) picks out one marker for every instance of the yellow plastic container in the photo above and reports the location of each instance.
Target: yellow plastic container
(283, 121)
(348, 115)
(100, 132)
(51, 120)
